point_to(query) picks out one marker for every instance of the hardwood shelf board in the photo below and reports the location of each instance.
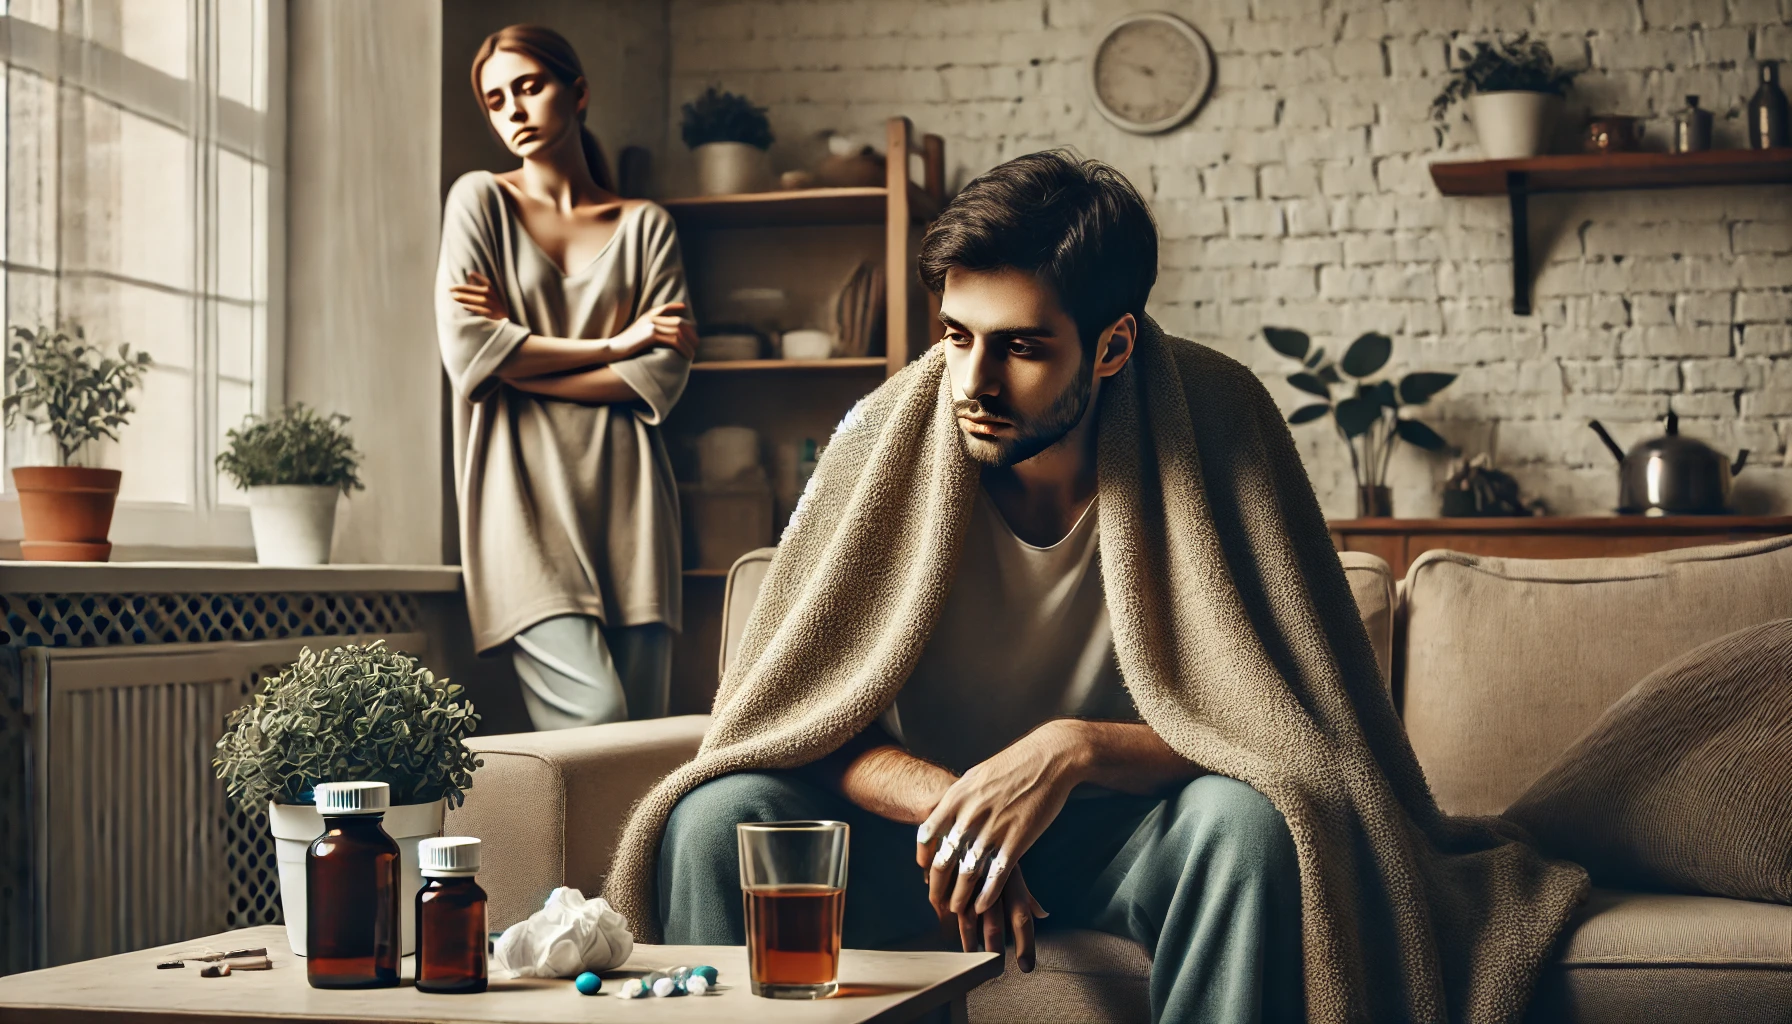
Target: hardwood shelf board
(843, 365)
(795, 208)
(1592, 172)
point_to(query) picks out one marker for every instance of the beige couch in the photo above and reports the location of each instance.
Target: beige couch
(1497, 664)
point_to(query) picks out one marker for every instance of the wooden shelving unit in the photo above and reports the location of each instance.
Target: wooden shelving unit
(1518, 180)
(799, 241)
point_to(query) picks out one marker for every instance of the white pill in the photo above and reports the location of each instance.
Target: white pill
(696, 985)
(664, 987)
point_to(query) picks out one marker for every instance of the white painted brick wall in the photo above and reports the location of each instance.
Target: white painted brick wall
(1300, 195)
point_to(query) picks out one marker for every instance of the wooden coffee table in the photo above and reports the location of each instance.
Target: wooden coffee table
(885, 987)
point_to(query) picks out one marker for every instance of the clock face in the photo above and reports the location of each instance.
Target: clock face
(1151, 72)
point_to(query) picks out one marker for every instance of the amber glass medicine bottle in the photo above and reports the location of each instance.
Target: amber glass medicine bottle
(451, 936)
(351, 890)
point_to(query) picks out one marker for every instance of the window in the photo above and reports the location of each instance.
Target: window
(142, 198)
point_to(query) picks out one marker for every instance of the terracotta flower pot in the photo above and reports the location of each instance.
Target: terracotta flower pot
(67, 512)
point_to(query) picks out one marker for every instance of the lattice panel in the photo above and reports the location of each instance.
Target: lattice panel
(115, 620)
(253, 882)
(15, 826)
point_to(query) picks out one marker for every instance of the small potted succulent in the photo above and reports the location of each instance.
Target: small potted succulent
(349, 714)
(1368, 419)
(729, 135)
(293, 466)
(1513, 90)
(76, 393)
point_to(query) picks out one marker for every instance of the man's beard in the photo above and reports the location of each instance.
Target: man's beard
(1031, 436)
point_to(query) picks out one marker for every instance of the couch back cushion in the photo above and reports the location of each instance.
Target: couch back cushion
(1506, 661)
(1371, 582)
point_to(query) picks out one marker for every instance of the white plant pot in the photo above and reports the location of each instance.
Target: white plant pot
(1513, 125)
(296, 825)
(293, 523)
(729, 168)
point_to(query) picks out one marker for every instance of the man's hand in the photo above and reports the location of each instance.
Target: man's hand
(972, 843)
(1016, 910)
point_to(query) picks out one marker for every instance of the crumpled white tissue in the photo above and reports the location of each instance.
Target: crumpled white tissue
(568, 935)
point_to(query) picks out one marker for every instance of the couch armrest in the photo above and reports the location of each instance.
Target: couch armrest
(548, 807)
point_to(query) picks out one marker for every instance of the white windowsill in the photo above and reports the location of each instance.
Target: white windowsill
(221, 578)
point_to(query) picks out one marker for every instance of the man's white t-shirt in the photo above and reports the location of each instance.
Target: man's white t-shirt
(1023, 637)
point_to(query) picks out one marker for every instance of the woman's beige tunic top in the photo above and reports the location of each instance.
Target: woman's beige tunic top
(565, 508)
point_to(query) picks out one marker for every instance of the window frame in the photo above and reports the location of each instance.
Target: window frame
(193, 107)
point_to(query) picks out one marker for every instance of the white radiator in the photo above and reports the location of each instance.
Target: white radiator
(130, 846)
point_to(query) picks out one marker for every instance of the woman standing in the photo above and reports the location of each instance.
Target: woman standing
(561, 311)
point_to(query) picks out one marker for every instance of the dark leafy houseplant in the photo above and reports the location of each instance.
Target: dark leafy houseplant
(297, 447)
(69, 388)
(1519, 64)
(350, 714)
(1368, 418)
(725, 117)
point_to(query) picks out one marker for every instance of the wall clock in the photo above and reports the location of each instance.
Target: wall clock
(1151, 72)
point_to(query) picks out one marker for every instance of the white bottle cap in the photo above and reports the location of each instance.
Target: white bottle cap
(448, 857)
(353, 797)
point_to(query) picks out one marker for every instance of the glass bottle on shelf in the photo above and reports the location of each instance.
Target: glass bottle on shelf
(351, 890)
(1767, 111)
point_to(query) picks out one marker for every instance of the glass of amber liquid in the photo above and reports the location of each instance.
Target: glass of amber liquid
(793, 881)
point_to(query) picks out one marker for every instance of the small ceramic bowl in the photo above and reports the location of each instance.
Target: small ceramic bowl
(808, 344)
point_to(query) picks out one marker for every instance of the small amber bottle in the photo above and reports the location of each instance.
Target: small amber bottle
(351, 890)
(451, 935)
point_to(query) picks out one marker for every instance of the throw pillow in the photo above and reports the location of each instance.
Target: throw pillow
(1686, 782)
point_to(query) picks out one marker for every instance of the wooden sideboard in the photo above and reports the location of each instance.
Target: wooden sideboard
(1399, 541)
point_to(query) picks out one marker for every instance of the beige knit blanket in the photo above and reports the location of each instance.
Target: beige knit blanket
(1238, 639)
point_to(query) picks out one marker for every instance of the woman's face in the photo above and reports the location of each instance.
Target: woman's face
(529, 108)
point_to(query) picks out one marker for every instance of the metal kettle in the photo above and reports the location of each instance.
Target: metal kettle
(1672, 475)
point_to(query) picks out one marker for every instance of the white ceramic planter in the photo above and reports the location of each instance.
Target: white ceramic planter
(1513, 125)
(293, 523)
(296, 825)
(729, 168)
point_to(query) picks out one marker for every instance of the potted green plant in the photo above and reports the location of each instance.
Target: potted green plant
(1368, 419)
(1513, 90)
(293, 465)
(349, 714)
(75, 393)
(729, 135)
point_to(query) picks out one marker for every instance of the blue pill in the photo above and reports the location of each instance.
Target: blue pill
(588, 983)
(707, 973)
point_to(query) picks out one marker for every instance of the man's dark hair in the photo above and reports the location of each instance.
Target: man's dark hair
(1078, 224)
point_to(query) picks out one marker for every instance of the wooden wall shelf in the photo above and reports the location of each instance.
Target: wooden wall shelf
(1399, 541)
(796, 208)
(1518, 180)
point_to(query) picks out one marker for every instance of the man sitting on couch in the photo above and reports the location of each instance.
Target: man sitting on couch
(1056, 589)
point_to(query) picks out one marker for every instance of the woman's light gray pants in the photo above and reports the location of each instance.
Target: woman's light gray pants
(575, 671)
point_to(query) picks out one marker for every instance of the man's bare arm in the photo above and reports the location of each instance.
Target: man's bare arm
(1129, 757)
(876, 774)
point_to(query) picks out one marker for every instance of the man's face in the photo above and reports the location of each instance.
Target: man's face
(1016, 363)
